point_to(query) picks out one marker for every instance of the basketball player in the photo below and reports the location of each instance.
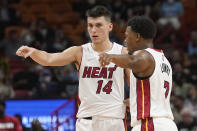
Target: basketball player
(150, 78)
(101, 90)
(8, 123)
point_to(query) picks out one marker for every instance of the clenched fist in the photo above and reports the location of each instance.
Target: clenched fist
(25, 51)
(104, 59)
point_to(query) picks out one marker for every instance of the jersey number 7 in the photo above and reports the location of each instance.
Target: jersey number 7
(106, 88)
(166, 86)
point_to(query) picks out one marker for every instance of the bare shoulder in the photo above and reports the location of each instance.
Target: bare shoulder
(78, 52)
(144, 63)
(74, 48)
(78, 55)
(143, 54)
(74, 53)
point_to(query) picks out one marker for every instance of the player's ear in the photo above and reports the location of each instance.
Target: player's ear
(138, 37)
(110, 27)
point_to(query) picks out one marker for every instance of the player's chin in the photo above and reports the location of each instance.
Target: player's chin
(96, 40)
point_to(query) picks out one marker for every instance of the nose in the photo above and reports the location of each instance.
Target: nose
(93, 29)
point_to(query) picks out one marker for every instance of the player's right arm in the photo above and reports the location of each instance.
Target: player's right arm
(68, 56)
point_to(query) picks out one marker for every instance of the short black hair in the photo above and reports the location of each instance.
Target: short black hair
(2, 102)
(98, 11)
(144, 26)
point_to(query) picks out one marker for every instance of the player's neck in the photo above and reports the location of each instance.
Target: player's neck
(143, 45)
(146, 44)
(102, 47)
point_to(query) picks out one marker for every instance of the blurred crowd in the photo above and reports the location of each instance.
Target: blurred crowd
(23, 78)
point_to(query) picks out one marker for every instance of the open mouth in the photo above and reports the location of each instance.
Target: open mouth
(94, 36)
